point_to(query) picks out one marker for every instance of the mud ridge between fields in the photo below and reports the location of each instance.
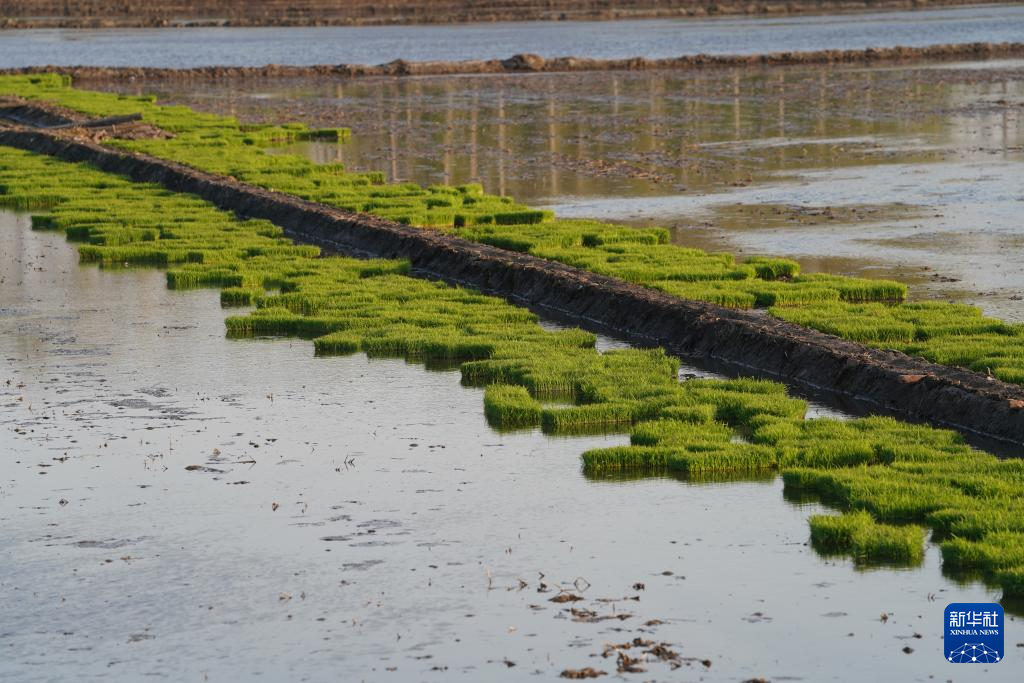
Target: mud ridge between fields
(181, 13)
(747, 340)
(531, 63)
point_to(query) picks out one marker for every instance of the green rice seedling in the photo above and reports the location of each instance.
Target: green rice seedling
(722, 294)
(268, 321)
(40, 221)
(807, 484)
(858, 290)
(326, 134)
(889, 496)
(1011, 374)
(950, 334)
(979, 518)
(237, 296)
(193, 278)
(995, 551)
(522, 217)
(337, 344)
(677, 433)
(510, 406)
(577, 419)
(859, 534)
(737, 409)
(897, 499)
(700, 413)
(770, 294)
(1011, 579)
(772, 430)
(626, 458)
(830, 454)
(836, 533)
(739, 457)
(740, 385)
(774, 268)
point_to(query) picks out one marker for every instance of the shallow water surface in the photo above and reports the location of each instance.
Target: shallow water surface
(180, 506)
(189, 47)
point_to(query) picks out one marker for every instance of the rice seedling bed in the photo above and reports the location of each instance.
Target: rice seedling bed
(858, 533)
(896, 473)
(949, 334)
(861, 310)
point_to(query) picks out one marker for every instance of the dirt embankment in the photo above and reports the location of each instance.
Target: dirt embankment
(530, 63)
(745, 340)
(139, 13)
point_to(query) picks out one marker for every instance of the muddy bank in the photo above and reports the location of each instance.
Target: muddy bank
(532, 63)
(133, 14)
(741, 339)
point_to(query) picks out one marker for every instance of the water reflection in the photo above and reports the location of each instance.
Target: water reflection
(628, 134)
(188, 47)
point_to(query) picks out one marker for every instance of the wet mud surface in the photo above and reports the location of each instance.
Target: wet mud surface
(902, 172)
(179, 506)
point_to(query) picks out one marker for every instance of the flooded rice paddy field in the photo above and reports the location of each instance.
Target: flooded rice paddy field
(177, 505)
(908, 172)
(653, 38)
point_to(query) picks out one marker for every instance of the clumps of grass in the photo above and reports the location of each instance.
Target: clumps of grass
(774, 268)
(858, 534)
(509, 406)
(976, 521)
(1011, 580)
(688, 461)
(337, 344)
(237, 296)
(624, 459)
(950, 334)
(997, 550)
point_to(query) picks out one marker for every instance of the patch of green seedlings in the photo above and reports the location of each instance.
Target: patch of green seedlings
(858, 534)
(508, 406)
(899, 474)
(950, 334)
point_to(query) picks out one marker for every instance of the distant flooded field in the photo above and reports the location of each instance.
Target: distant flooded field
(188, 47)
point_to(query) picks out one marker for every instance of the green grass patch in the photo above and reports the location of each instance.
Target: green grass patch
(858, 534)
